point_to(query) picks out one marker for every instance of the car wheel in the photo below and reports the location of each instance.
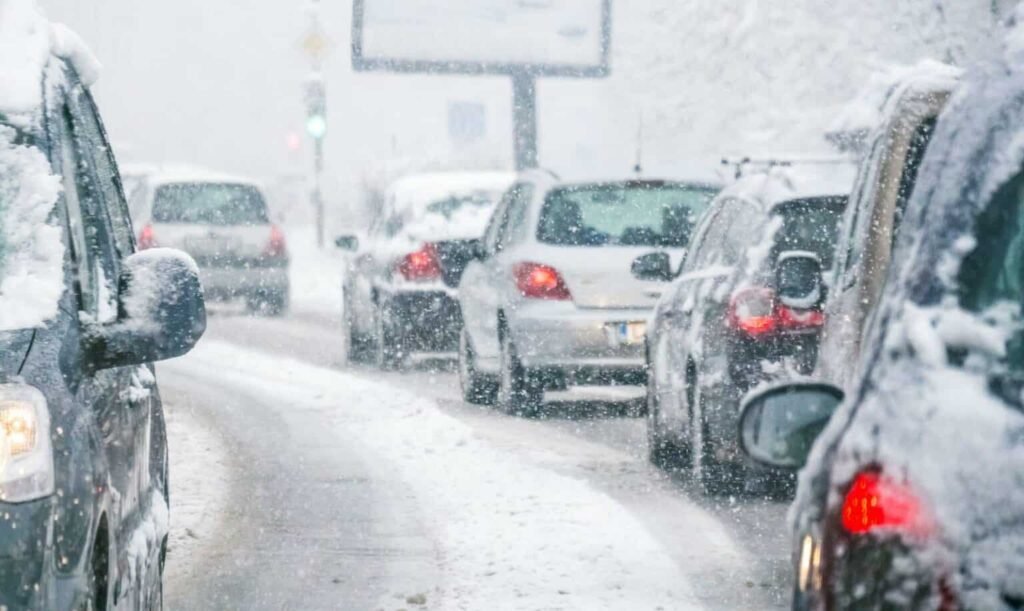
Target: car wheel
(95, 598)
(519, 392)
(476, 388)
(358, 348)
(661, 452)
(713, 476)
(388, 354)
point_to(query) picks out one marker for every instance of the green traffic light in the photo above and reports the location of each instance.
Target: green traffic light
(316, 126)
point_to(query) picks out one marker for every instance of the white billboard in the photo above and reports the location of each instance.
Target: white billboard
(543, 37)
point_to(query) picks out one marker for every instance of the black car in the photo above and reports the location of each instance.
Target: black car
(727, 323)
(913, 496)
(83, 447)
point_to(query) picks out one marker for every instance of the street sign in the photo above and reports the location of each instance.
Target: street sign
(540, 37)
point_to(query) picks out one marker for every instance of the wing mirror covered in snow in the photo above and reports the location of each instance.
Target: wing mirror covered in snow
(799, 282)
(161, 312)
(655, 266)
(779, 425)
(347, 242)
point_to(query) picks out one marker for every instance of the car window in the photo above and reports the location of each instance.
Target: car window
(700, 244)
(516, 223)
(209, 204)
(629, 214)
(92, 252)
(715, 249)
(496, 226)
(93, 140)
(809, 225)
(859, 211)
(915, 153)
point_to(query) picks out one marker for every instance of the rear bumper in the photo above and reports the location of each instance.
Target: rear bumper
(579, 342)
(426, 321)
(230, 282)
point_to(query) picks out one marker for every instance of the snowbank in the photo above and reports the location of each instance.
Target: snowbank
(510, 534)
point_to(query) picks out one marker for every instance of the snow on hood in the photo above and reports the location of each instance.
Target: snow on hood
(27, 40)
(31, 247)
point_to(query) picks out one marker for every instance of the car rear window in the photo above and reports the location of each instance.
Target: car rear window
(810, 225)
(209, 204)
(631, 214)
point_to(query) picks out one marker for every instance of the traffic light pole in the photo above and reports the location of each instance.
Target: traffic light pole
(318, 194)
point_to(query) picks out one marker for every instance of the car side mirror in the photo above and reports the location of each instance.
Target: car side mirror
(347, 242)
(655, 266)
(798, 279)
(779, 425)
(161, 312)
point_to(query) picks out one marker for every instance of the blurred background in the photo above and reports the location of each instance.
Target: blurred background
(220, 83)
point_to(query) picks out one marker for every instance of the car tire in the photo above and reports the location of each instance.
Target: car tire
(476, 388)
(358, 348)
(713, 477)
(388, 353)
(96, 597)
(520, 392)
(662, 452)
(272, 304)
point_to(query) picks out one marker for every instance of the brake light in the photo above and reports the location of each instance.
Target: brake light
(276, 246)
(536, 281)
(147, 239)
(874, 502)
(756, 312)
(421, 265)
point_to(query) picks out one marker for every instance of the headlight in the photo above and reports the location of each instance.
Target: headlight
(26, 455)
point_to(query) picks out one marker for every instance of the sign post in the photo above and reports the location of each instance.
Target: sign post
(523, 41)
(315, 45)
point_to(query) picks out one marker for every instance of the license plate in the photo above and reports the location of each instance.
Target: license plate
(211, 245)
(626, 333)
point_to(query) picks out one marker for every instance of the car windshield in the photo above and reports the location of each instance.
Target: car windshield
(810, 225)
(31, 247)
(209, 204)
(642, 214)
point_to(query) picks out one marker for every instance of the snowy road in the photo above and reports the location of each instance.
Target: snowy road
(362, 490)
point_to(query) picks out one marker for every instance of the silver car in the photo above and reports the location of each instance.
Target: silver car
(223, 222)
(550, 299)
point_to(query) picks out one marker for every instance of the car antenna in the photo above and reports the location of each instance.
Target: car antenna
(639, 167)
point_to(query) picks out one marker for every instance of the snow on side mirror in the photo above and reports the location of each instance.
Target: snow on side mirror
(654, 266)
(779, 425)
(161, 312)
(799, 282)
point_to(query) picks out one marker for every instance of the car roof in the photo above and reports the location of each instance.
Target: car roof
(415, 191)
(28, 42)
(779, 184)
(169, 175)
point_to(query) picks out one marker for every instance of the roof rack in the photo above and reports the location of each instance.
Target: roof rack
(742, 164)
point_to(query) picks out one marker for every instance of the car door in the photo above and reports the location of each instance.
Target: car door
(479, 292)
(359, 294)
(671, 350)
(93, 262)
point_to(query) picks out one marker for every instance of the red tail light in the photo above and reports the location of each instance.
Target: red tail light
(874, 502)
(536, 281)
(757, 313)
(147, 239)
(276, 247)
(421, 265)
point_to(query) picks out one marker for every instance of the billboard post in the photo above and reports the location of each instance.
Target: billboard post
(521, 40)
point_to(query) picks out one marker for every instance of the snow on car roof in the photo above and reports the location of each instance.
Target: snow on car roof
(166, 175)
(27, 41)
(416, 191)
(779, 184)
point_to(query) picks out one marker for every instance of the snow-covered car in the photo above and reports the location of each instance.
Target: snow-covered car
(728, 321)
(83, 454)
(872, 221)
(550, 300)
(912, 496)
(224, 223)
(400, 287)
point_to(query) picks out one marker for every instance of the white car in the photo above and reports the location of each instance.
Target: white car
(223, 222)
(550, 299)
